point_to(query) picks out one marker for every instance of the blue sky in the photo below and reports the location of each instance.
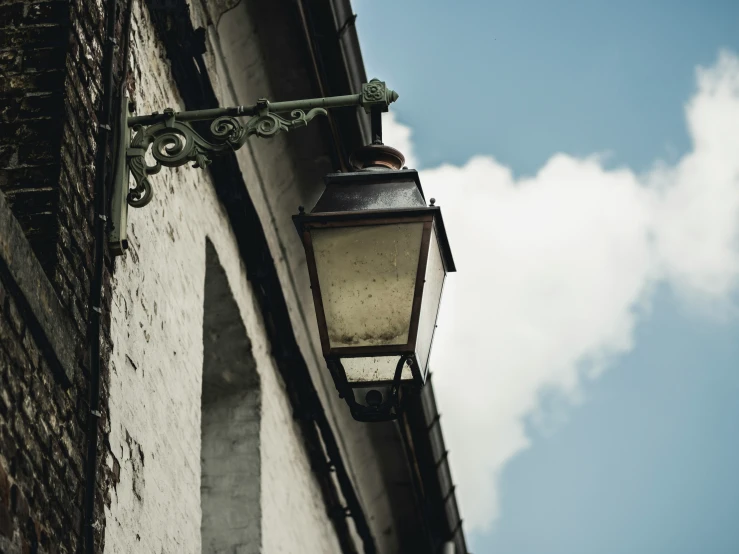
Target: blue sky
(608, 353)
(524, 79)
(647, 464)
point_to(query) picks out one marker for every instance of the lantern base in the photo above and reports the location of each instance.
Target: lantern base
(371, 402)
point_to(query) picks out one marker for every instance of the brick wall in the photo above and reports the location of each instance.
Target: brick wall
(33, 42)
(50, 55)
(42, 443)
(50, 84)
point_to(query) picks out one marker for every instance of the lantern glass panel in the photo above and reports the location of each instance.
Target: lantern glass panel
(434, 282)
(380, 368)
(367, 276)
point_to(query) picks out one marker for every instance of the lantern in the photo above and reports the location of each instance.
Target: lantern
(377, 257)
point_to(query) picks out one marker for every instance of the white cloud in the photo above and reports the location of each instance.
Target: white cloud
(398, 136)
(554, 269)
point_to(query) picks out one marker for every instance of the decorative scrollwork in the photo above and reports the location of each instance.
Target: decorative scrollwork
(229, 130)
(142, 193)
(174, 143)
(269, 124)
(374, 91)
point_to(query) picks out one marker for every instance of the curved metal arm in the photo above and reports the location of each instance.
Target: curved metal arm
(173, 141)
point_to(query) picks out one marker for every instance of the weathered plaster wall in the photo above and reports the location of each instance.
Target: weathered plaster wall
(41, 422)
(157, 365)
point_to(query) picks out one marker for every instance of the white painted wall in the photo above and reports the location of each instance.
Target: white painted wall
(156, 365)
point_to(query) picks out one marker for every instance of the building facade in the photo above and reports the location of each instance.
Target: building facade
(217, 427)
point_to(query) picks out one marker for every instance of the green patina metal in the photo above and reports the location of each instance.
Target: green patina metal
(173, 141)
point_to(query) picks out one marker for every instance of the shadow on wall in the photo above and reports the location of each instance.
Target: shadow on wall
(231, 407)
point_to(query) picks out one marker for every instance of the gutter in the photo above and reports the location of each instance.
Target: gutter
(338, 68)
(432, 459)
(351, 51)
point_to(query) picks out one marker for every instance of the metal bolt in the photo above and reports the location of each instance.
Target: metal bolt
(432, 201)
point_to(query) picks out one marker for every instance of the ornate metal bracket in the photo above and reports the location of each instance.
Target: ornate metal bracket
(173, 141)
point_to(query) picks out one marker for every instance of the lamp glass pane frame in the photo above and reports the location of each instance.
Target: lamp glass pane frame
(335, 220)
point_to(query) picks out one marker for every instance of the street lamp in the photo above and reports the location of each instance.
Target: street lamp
(377, 257)
(377, 254)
